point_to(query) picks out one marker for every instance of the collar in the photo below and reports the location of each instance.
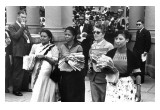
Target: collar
(18, 23)
(74, 45)
(141, 29)
(99, 42)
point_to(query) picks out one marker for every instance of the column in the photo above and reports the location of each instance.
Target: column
(58, 18)
(33, 19)
(12, 12)
(67, 16)
(150, 25)
(135, 13)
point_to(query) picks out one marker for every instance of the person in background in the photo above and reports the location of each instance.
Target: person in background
(22, 42)
(72, 85)
(8, 60)
(46, 57)
(97, 78)
(142, 45)
(120, 23)
(127, 64)
(85, 30)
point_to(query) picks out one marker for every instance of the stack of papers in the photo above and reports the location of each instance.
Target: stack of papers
(28, 62)
(75, 61)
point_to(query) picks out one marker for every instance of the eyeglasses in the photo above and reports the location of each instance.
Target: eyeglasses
(97, 32)
(138, 24)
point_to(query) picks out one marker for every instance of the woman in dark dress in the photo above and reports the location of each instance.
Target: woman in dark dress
(72, 85)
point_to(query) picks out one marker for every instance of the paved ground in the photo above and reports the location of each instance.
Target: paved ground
(148, 93)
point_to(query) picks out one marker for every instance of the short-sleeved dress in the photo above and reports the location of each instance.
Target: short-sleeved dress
(72, 85)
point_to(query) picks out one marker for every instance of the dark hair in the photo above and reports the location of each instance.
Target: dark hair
(141, 21)
(73, 31)
(101, 26)
(22, 12)
(48, 32)
(126, 34)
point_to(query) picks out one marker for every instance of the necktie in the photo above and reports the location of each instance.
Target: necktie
(26, 36)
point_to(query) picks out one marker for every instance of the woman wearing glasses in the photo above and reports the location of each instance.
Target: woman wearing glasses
(98, 48)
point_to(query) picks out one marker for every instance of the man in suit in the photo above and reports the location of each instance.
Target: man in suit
(142, 45)
(84, 31)
(21, 46)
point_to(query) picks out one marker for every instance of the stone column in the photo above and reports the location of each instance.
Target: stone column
(58, 18)
(135, 13)
(67, 14)
(150, 25)
(12, 12)
(33, 19)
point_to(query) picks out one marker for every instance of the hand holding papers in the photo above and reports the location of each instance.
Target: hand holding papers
(75, 61)
(144, 56)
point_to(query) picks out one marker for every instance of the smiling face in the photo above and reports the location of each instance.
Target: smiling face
(69, 36)
(120, 41)
(98, 36)
(44, 38)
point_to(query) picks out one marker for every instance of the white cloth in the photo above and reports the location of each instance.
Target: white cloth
(44, 89)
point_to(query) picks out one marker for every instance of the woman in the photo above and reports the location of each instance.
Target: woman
(46, 56)
(97, 78)
(72, 82)
(126, 63)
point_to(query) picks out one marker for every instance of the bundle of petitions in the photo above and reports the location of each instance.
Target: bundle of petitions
(28, 62)
(75, 61)
(105, 64)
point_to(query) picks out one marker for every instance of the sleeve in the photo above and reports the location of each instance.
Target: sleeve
(147, 41)
(15, 34)
(55, 53)
(32, 52)
(80, 49)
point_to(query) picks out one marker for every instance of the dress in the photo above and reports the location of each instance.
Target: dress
(44, 89)
(72, 85)
(125, 89)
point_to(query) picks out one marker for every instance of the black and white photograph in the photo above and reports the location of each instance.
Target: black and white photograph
(79, 53)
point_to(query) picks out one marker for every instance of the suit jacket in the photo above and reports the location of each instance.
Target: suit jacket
(86, 44)
(143, 41)
(20, 46)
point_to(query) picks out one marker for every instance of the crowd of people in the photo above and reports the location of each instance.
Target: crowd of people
(100, 42)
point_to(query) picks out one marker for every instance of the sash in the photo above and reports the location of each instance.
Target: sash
(39, 66)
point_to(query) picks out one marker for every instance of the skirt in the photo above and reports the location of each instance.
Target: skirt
(123, 91)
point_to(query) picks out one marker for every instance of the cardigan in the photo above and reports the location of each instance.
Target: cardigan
(132, 62)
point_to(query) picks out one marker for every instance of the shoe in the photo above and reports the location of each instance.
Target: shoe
(18, 93)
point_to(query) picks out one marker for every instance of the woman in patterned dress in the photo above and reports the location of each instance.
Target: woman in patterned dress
(126, 63)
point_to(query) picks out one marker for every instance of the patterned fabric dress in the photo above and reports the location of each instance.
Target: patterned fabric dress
(44, 89)
(125, 89)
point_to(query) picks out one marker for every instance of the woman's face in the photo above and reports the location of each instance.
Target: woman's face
(44, 38)
(98, 34)
(120, 41)
(69, 36)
